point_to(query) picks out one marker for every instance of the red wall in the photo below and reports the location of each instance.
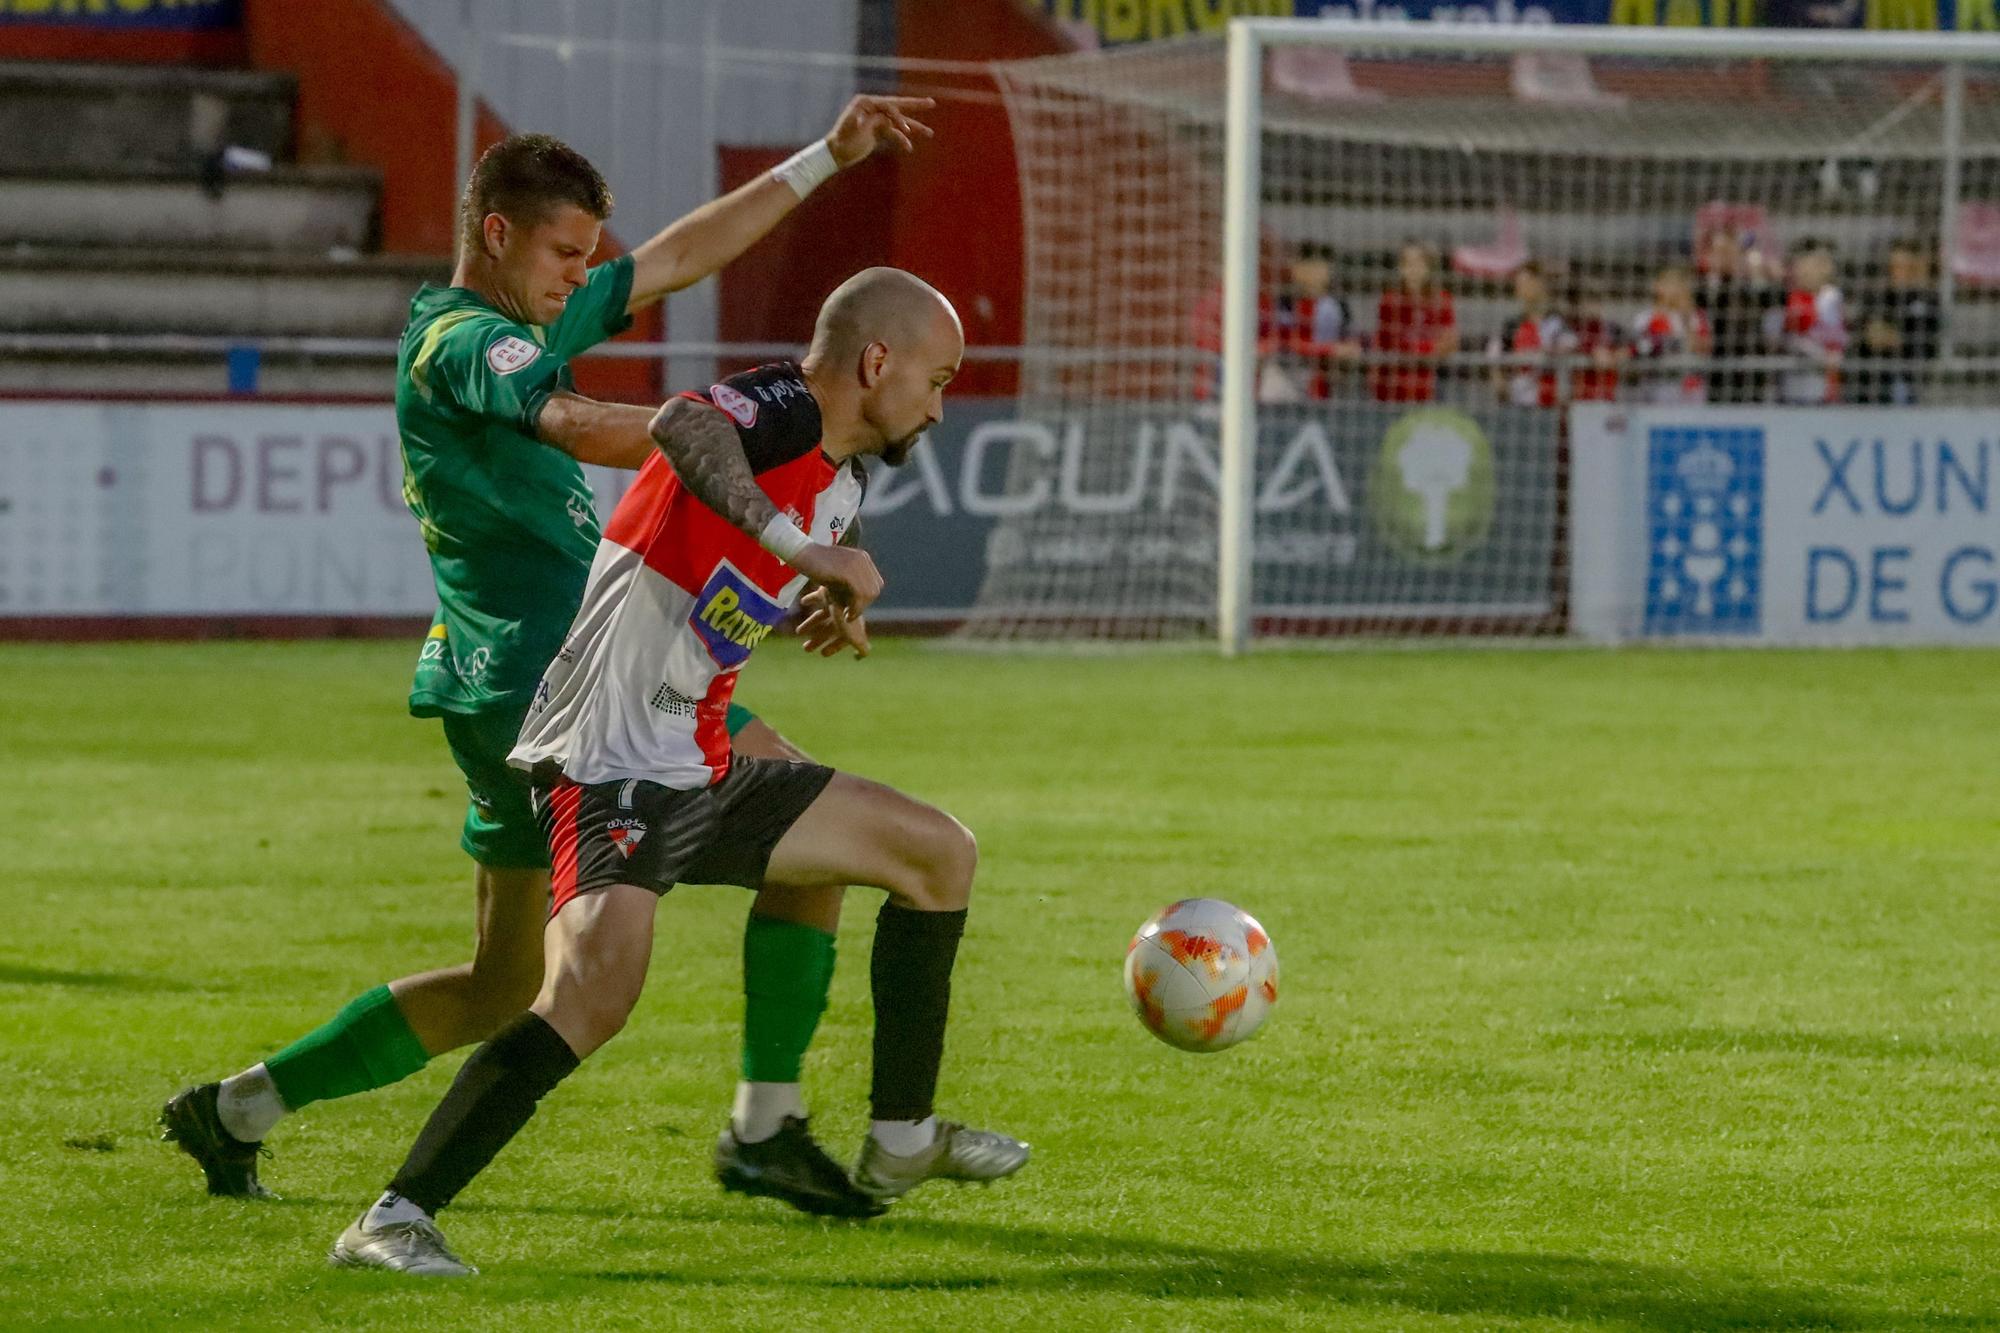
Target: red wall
(772, 292)
(957, 221)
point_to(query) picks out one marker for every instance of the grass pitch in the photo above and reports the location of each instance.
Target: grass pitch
(1635, 991)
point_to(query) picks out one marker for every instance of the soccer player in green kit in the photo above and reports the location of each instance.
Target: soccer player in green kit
(493, 433)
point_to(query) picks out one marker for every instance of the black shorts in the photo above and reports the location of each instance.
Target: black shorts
(642, 833)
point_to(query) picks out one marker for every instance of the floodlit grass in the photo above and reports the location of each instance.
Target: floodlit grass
(1636, 991)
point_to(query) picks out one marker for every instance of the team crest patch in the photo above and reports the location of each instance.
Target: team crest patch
(510, 354)
(743, 409)
(625, 835)
(732, 616)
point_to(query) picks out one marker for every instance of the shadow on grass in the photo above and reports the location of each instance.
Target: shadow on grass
(1972, 1049)
(20, 974)
(1443, 1282)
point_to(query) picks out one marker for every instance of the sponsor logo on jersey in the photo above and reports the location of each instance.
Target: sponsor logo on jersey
(510, 354)
(625, 835)
(732, 616)
(735, 404)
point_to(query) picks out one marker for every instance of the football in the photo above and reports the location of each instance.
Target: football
(1201, 974)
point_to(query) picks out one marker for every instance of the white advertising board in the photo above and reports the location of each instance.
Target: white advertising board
(209, 509)
(1786, 526)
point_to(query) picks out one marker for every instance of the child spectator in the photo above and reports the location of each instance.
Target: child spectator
(1898, 329)
(1736, 293)
(1315, 327)
(1415, 324)
(1600, 341)
(1811, 325)
(1673, 327)
(1536, 335)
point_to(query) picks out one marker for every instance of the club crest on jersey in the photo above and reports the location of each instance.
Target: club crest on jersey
(737, 405)
(510, 354)
(625, 835)
(732, 616)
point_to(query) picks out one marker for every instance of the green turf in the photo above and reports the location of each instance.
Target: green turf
(1643, 991)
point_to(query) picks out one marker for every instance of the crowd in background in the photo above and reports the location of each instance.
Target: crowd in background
(1733, 325)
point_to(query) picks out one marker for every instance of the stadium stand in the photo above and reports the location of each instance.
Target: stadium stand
(171, 216)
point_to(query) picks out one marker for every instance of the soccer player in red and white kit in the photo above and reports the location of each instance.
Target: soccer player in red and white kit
(636, 786)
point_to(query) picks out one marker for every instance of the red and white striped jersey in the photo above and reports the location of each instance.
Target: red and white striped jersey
(678, 598)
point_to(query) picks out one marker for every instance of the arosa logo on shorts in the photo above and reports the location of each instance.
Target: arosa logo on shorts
(625, 835)
(732, 616)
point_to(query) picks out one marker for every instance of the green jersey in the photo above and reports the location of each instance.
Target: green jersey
(507, 519)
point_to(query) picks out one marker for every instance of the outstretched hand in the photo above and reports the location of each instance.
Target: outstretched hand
(870, 122)
(830, 627)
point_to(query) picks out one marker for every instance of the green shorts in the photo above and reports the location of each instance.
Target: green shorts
(501, 829)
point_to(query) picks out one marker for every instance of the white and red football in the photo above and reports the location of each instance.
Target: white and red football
(1201, 974)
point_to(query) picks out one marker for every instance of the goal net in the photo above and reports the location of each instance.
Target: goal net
(1450, 246)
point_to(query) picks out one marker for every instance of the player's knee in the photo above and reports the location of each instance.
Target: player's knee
(946, 855)
(586, 1021)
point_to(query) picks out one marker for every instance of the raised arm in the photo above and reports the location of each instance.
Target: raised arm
(700, 442)
(724, 228)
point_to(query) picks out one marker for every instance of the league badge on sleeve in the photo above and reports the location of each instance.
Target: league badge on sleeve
(510, 354)
(736, 404)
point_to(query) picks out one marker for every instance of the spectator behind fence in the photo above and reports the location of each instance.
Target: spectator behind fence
(1811, 326)
(1415, 323)
(1736, 293)
(1673, 327)
(1897, 329)
(1206, 321)
(1599, 340)
(1537, 333)
(1314, 325)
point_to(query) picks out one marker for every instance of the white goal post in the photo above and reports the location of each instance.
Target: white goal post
(1323, 293)
(1250, 42)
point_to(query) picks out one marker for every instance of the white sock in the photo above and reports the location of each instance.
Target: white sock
(904, 1137)
(390, 1209)
(249, 1104)
(761, 1109)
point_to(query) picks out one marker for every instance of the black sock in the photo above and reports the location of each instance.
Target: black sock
(489, 1102)
(910, 975)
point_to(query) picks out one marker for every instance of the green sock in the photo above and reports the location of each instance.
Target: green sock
(367, 1045)
(787, 972)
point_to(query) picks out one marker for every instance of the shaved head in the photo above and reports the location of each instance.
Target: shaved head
(879, 305)
(892, 342)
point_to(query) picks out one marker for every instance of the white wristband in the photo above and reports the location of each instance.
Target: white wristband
(782, 538)
(807, 169)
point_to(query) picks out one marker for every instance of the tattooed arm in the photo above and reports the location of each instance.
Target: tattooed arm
(702, 444)
(707, 455)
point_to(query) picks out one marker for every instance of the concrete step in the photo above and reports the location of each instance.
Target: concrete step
(57, 115)
(307, 210)
(51, 290)
(91, 374)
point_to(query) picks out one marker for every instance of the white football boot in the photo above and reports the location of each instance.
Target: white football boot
(957, 1153)
(415, 1246)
